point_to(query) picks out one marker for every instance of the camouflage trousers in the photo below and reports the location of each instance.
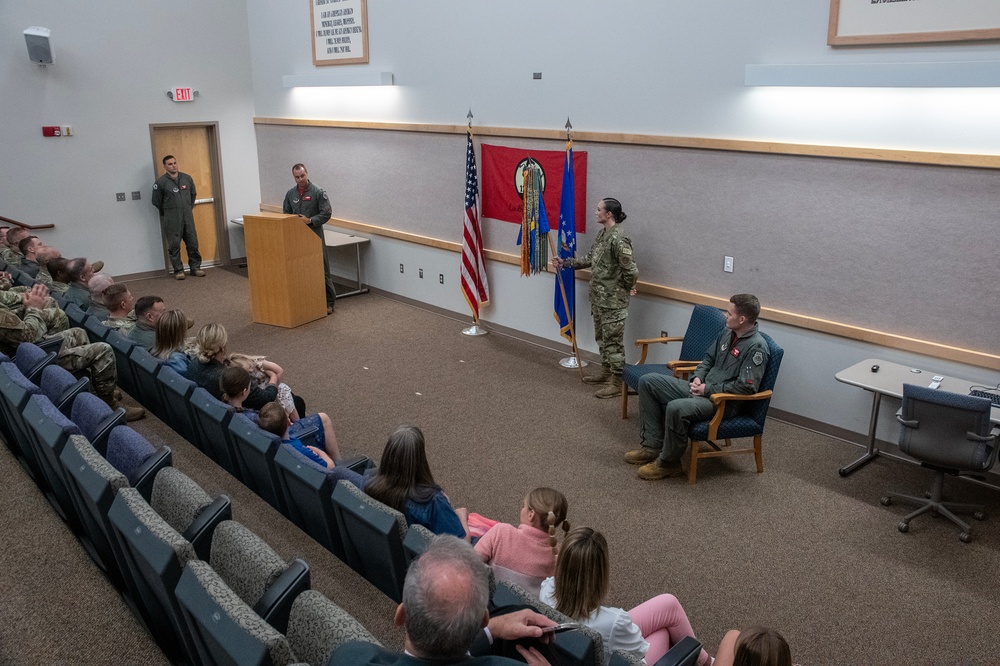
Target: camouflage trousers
(77, 353)
(609, 330)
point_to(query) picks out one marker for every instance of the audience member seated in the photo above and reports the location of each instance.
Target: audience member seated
(209, 360)
(13, 298)
(119, 301)
(235, 384)
(530, 548)
(273, 419)
(404, 482)
(98, 308)
(444, 614)
(171, 346)
(148, 310)
(580, 585)
(29, 248)
(12, 254)
(264, 372)
(76, 354)
(44, 256)
(756, 646)
(3, 241)
(58, 268)
(74, 274)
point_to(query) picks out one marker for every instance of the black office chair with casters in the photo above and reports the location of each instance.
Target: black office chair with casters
(949, 433)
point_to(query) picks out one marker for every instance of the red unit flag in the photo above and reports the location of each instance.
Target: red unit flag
(502, 168)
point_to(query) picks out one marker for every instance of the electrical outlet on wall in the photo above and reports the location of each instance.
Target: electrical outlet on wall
(401, 268)
(440, 278)
(727, 265)
(421, 273)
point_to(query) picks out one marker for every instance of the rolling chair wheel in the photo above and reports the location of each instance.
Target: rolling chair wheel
(979, 515)
(965, 537)
(886, 501)
(903, 527)
(927, 495)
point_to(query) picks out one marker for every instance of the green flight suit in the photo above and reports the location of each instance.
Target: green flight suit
(314, 204)
(174, 199)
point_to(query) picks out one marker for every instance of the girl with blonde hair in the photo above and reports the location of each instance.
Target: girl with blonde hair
(578, 589)
(528, 550)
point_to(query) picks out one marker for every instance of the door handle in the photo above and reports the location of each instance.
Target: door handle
(199, 201)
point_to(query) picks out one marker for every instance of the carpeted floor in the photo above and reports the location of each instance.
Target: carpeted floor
(797, 548)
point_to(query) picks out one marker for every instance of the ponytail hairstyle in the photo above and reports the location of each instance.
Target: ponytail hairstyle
(614, 207)
(211, 340)
(551, 508)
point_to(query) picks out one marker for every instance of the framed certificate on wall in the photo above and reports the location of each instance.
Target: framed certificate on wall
(854, 22)
(339, 31)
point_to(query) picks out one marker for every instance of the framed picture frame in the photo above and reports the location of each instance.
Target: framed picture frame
(339, 32)
(860, 22)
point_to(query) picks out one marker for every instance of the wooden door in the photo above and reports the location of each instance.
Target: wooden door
(196, 150)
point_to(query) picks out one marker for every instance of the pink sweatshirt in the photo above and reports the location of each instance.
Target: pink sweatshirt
(524, 549)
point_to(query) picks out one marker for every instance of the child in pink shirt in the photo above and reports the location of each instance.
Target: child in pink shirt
(528, 551)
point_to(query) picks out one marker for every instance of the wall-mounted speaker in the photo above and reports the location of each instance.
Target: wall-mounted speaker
(39, 45)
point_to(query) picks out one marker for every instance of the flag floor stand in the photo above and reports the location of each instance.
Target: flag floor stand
(475, 329)
(570, 362)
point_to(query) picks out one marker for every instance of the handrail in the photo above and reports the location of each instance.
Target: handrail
(26, 226)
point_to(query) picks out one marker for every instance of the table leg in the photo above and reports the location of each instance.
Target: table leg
(872, 453)
(359, 290)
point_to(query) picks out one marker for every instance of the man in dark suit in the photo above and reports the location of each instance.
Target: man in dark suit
(444, 613)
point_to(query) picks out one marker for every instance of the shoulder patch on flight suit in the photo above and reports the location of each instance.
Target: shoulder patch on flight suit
(155, 186)
(758, 358)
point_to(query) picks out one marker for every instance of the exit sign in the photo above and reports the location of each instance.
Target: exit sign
(183, 95)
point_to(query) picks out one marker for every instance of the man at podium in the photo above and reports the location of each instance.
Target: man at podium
(312, 205)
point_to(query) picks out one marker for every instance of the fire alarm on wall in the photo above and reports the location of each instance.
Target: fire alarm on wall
(51, 130)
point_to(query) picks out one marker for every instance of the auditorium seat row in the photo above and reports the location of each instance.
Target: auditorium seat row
(208, 589)
(373, 539)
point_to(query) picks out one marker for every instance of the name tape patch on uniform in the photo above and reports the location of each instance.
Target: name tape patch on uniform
(758, 358)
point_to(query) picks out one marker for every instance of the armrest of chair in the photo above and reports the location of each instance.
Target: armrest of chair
(720, 400)
(50, 344)
(146, 474)
(682, 369)
(275, 605)
(308, 436)
(683, 652)
(104, 429)
(645, 342)
(199, 532)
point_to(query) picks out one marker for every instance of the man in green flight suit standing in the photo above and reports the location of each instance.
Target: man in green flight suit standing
(312, 205)
(612, 280)
(174, 195)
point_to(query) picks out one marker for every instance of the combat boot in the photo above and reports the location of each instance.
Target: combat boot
(601, 377)
(612, 389)
(131, 413)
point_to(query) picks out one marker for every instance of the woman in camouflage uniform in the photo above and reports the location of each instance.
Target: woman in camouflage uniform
(612, 278)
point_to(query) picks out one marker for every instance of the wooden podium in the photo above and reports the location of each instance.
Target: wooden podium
(285, 264)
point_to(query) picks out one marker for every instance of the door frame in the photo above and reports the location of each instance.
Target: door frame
(215, 166)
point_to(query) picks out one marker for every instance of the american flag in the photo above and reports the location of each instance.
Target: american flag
(474, 285)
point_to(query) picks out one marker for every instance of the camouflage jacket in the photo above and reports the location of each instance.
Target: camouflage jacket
(123, 325)
(35, 325)
(612, 269)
